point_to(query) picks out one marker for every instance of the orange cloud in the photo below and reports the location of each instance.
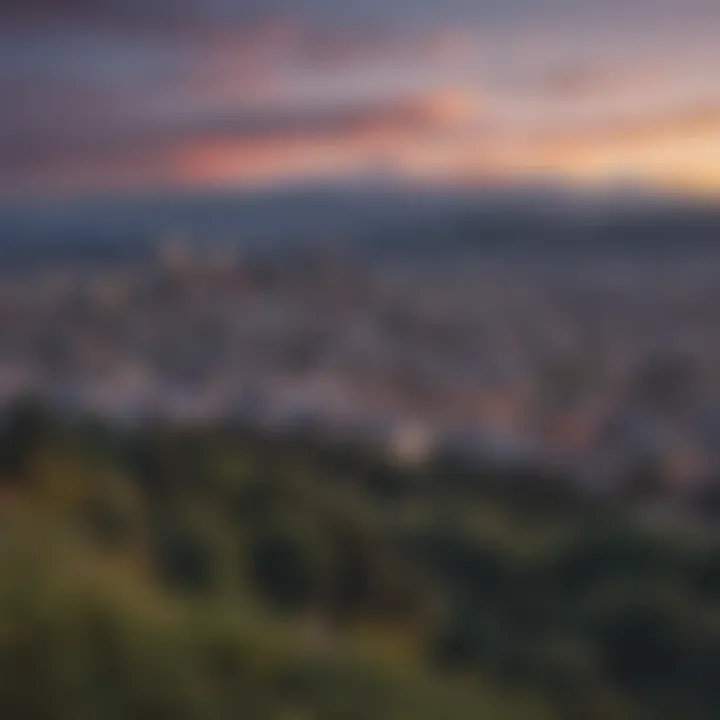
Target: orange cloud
(440, 138)
(681, 149)
(386, 137)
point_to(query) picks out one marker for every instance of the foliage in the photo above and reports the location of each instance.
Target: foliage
(164, 572)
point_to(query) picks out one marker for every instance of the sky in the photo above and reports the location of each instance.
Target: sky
(127, 96)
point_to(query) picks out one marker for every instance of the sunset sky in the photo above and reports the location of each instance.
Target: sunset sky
(136, 95)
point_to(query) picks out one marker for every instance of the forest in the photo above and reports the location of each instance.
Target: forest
(214, 571)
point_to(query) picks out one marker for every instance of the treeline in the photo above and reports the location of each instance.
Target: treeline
(213, 572)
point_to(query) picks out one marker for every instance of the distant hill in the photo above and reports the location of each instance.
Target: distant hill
(435, 222)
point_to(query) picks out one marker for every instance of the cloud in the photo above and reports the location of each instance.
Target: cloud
(98, 92)
(105, 145)
(137, 14)
(679, 148)
(443, 135)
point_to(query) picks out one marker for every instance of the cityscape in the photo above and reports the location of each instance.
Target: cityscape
(604, 363)
(359, 360)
